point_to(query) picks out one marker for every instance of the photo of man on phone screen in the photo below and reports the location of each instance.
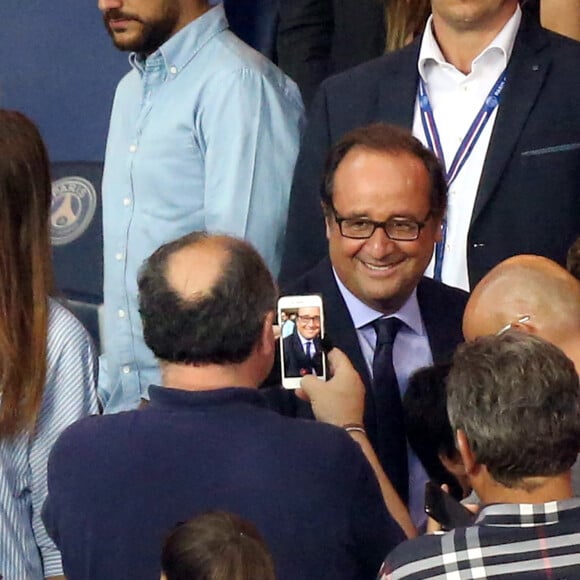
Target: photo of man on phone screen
(302, 348)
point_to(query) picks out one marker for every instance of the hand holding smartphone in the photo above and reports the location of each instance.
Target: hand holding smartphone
(445, 509)
(301, 319)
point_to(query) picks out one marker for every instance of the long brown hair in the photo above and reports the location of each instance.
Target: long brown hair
(405, 19)
(25, 271)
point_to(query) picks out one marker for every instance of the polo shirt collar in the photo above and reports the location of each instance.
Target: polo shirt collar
(526, 515)
(167, 398)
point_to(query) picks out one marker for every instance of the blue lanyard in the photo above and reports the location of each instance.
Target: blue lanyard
(465, 148)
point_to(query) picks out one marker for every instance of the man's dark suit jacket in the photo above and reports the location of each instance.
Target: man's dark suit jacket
(318, 38)
(296, 363)
(441, 309)
(528, 200)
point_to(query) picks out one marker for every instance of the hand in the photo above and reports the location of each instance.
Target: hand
(340, 400)
(277, 329)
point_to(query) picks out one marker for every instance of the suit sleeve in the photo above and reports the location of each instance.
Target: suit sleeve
(304, 44)
(305, 244)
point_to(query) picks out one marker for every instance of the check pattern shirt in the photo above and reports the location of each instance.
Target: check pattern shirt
(519, 541)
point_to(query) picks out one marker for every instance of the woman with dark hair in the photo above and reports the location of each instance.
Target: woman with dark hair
(216, 546)
(47, 361)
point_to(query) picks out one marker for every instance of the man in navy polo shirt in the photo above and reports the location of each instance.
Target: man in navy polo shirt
(119, 483)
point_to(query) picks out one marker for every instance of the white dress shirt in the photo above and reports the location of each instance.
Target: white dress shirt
(456, 98)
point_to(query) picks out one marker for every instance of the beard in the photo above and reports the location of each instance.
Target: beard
(149, 34)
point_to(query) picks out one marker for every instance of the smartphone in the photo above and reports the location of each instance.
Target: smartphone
(301, 320)
(445, 509)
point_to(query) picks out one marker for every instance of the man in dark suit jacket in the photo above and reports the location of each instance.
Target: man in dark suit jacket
(527, 199)
(383, 199)
(318, 38)
(302, 348)
(206, 441)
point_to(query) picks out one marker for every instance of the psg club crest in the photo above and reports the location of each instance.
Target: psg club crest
(74, 201)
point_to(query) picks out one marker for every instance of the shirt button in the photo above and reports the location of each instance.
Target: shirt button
(118, 256)
(121, 313)
(126, 369)
(132, 148)
(173, 70)
(127, 201)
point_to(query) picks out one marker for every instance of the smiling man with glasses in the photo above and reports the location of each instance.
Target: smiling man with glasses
(384, 198)
(302, 349)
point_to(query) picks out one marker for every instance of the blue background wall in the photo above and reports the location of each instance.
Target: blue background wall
(58, 65)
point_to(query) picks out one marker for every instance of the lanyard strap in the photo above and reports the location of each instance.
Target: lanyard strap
(465, 147)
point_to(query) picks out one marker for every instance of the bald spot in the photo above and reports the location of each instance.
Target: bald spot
(526, 285)
(194, 270)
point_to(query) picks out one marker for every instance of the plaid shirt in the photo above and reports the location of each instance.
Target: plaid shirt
(519, 541)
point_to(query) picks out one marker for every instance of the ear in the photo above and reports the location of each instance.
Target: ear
(327, 218)
(438, 225)
(527, 327)
(268, 340)
(466, 453)
(453, 465)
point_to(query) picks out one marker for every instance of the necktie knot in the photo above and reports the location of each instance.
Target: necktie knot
(386, 329)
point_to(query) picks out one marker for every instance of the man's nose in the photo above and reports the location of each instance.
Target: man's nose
(105, 5)
(379, 244)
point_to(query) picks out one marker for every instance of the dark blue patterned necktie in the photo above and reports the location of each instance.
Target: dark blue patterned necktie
(392, 441)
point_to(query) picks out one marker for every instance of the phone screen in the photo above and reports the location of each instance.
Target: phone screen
(445, 509)
(301, 321)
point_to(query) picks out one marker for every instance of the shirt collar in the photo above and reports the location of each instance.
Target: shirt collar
(179, 399)
(182, 47)
(363, 315)
(526, 515)
(302, 339)
(502, 45)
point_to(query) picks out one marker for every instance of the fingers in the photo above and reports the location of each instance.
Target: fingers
(308, 386)
(336, 360)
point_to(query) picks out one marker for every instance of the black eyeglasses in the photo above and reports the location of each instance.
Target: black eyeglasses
(399, 229)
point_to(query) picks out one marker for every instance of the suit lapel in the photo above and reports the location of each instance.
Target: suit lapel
(526, 73)
(397, 89)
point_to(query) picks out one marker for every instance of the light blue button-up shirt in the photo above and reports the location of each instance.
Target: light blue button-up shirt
(204, 135)
(411, 351)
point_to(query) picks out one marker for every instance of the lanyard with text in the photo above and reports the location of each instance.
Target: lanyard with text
(465, 148)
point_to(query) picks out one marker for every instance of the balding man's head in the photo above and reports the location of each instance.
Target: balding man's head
(522, 287)
(203, 300)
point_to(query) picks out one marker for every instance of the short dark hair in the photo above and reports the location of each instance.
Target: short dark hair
(393, 140)
(427, 424)
(216, 546)
(517, 398)
(220, 325)
(573, 259)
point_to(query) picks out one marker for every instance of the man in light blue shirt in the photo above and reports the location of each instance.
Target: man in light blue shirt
(204, 134)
